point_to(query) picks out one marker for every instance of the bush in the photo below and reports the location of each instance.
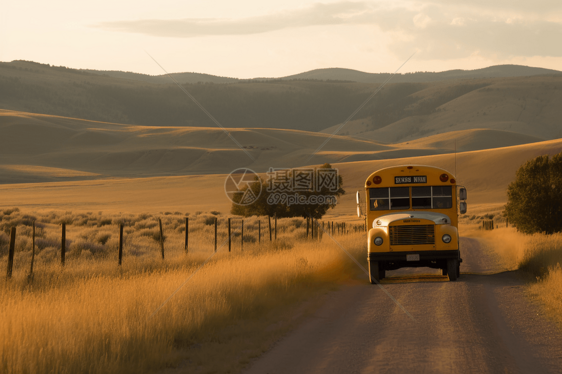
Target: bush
(535, 197)
(209, 221)
(82, 245)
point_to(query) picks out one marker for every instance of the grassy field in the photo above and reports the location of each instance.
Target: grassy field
(537, 255)
(149, 314)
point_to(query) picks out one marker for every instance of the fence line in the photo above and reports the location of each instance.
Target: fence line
(310, 223)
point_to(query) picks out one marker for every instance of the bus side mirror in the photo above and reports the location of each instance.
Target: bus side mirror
(358, 199)
(462, 193)
(462, 207)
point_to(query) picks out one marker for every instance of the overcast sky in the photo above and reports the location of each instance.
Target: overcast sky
(246, 38)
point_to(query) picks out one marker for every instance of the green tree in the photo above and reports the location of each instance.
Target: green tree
(264, 206)
(535, 197)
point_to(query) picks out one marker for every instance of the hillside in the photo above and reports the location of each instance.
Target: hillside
(42, 148)
(398, 113)
(498, 71)
(485, 174)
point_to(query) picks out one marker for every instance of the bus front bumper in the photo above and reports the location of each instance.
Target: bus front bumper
(396, 260)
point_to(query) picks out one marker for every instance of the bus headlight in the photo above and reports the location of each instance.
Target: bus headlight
(378, 240)
(446, 238)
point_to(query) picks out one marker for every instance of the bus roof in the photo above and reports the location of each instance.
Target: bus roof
(418, 172)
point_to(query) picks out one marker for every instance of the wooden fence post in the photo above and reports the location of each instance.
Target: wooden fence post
(216, 224)
(229, 239)
(307, 226)
(269, 219)
(259, 231)
(275, 226)
(242, 237)
(11, 253)
(63, 244)
(120, 244)
(312, 228)
(161, 237)
(30, 275)
(187, 233)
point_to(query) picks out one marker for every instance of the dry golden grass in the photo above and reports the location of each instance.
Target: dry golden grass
(93, 317)
(538, 255)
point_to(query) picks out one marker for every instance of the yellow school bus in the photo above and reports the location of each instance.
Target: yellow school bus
(412, 220)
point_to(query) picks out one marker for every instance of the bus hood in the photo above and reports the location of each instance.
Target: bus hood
(387, 219)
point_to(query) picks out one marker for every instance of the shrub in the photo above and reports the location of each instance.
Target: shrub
(153, 234)
(104, 222)
(7, 212)
(82, 245)
(249, 238)
(102, 237)
(146, 224)
(48, 254)
(535, 197)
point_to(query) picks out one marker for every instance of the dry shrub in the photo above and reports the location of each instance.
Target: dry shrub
(102, 237)
(79, 246)
(145, 224)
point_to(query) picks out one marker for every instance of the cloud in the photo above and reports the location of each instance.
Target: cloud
(437, 32)
(316, 15)
(436, 29)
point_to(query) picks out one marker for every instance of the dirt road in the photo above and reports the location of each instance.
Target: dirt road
(483, 323)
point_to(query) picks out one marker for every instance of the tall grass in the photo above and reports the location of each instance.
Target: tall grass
(538, 255)
(93, 317)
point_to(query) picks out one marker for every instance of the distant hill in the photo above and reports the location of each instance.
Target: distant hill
(400, 112)
(181, 78)
(498, 71)
(44, 148)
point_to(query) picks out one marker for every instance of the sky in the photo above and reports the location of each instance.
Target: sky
(247, 38)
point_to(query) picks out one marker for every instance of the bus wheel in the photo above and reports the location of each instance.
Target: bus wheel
(374, 272)
(452, 268)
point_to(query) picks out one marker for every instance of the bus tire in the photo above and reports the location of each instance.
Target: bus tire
(374, 272)
(452, 269)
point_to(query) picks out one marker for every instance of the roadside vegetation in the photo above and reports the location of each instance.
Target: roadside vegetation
(538, 255)
(534, 242)
(92, 316)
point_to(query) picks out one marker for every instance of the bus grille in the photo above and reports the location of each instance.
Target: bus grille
(412, 235)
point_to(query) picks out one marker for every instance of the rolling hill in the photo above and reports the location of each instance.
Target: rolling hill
(401, 111)
(485, 174)
(498, 71)
(42, 148)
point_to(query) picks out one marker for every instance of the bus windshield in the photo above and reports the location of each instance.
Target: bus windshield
(398, 198)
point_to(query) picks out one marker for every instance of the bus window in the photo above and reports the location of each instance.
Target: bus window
(378, 198)
(399, 198)
(442, 197)
(421, 197)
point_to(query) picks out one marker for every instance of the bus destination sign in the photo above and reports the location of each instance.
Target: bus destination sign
(410, 179)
